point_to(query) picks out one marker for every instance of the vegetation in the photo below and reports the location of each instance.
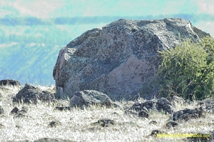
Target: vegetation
(188, 70)
(78, 124)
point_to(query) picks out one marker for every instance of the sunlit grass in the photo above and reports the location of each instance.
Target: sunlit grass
(77, 124)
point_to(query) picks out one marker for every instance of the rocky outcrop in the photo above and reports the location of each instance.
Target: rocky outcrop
(161, 104)
(187, 114)
(90, 97)
(32, 94)
(15, 110)
(19, 113)
(120, 58)
(9, 82)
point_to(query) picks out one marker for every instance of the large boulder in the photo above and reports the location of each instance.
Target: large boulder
(120, 58)
(33, 94)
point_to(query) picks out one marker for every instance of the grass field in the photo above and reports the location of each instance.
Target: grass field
(78, 124)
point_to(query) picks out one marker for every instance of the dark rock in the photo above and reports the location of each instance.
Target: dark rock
(90, 97)
(18, 113)
(143, 114)
(171, 124)
(15, 110)
(32, 94)
(154, 133)
(187, 114)
(9, 82)
(165, 105)
(160, 105)
(120, 58)
(52, 140)
(1, 110)
(54, 123)
(143, 106)
(62, 108)
(104, 122)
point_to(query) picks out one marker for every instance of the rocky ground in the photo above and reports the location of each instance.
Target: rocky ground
(29, 117)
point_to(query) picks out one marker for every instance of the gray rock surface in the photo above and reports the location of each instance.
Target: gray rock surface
(90, 97)
(32, 94)
(120, 58)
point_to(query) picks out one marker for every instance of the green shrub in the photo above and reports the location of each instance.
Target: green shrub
(188, 70)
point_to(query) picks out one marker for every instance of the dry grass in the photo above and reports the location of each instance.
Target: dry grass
(77, 124)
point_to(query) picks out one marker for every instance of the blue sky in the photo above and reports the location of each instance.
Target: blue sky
(72, 8)
(199, 12)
